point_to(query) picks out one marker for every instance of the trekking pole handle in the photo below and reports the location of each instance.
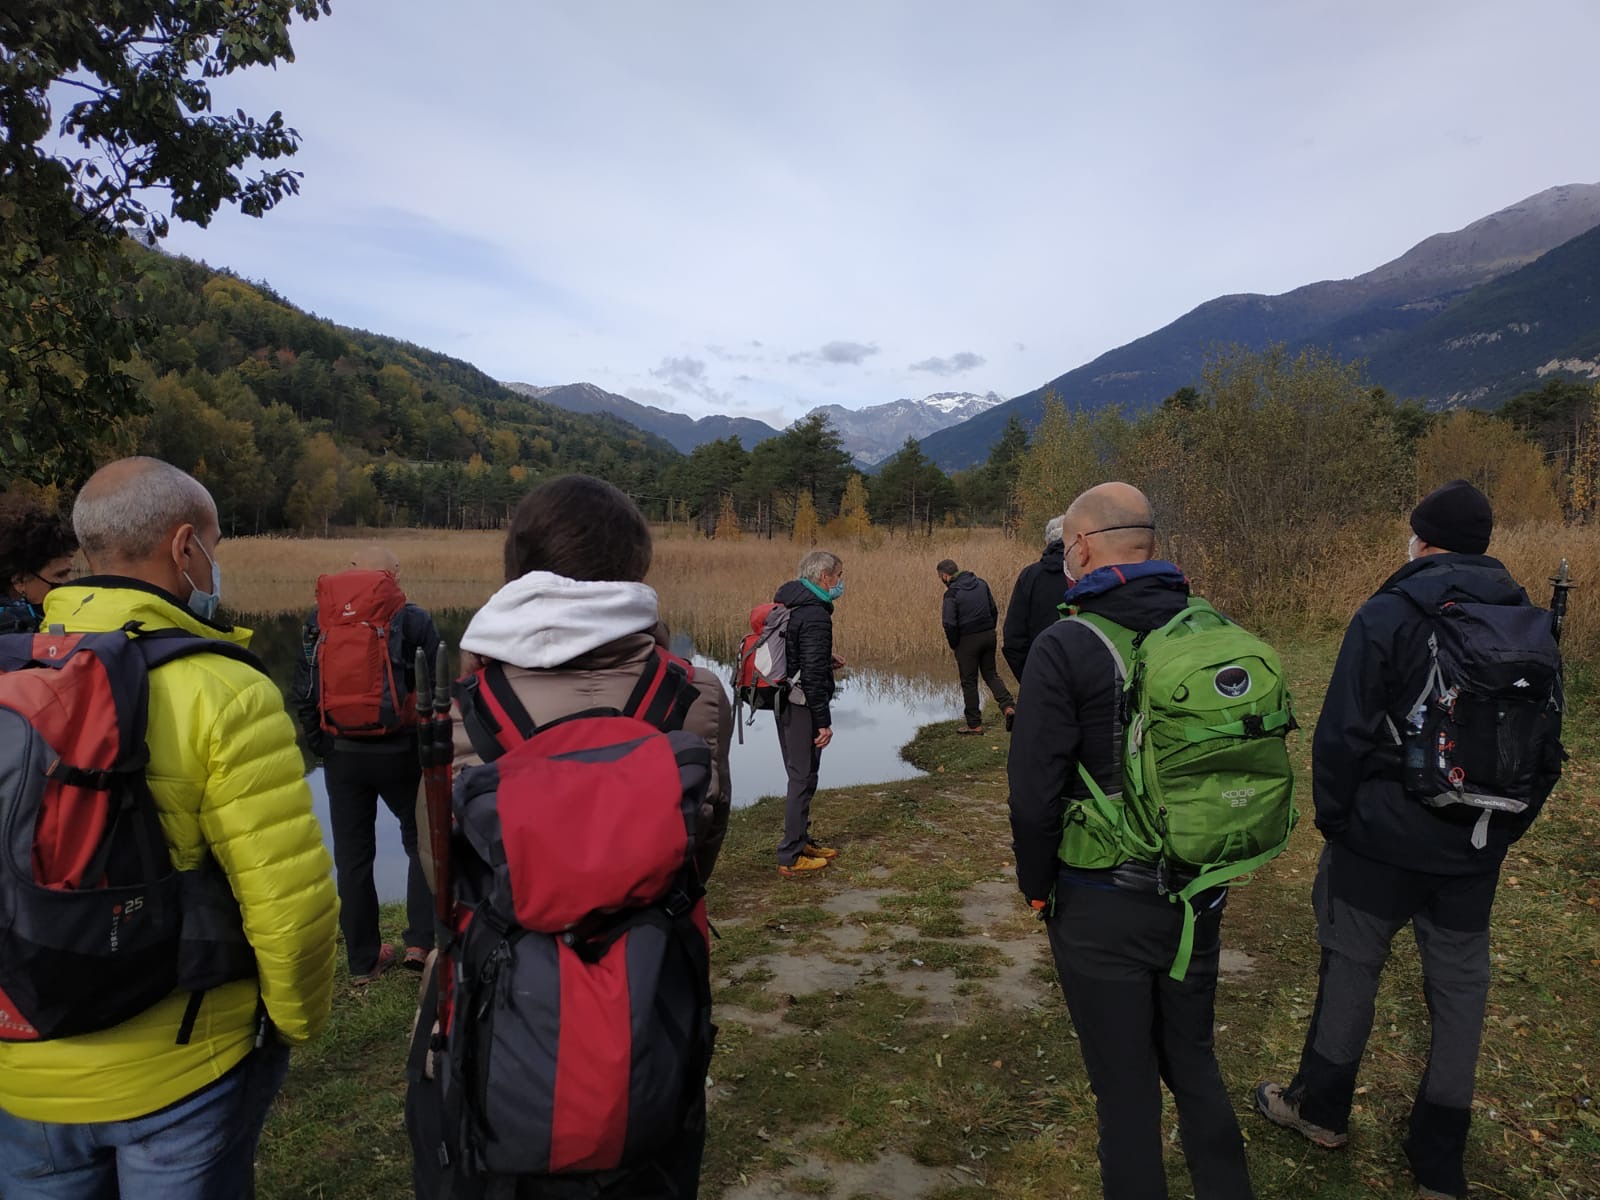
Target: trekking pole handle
(1560, 583)
(424, 687)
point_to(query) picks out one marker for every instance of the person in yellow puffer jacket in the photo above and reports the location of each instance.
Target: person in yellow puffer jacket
(127, 1111)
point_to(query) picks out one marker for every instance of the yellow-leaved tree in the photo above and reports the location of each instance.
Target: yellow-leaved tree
(1494, 458)
(804, 530)
(727, 521)
(853, 519)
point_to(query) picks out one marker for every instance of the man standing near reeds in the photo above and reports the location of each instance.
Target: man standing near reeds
(355, 680)
(804, 716)
(969, 622)
(1114, 932)
(170, 1103)
(1398, 853)
(1035, 600)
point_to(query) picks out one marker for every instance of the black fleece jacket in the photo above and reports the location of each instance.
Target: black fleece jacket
(809, 648)
(1070, 716)
(1032, 609)
(1382, 666)
(968, 608)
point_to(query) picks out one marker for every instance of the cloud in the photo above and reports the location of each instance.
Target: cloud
(965, 360)
(686, 374)
(851, 354)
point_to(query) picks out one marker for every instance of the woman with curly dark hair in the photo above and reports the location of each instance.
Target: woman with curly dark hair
(36, 549)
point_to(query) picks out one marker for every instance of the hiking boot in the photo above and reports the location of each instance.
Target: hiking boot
(814, 850)
(1275, 1107)
(416, 959)
(1424, 1192)
(971, 730)
(803, 865)
(386, 960)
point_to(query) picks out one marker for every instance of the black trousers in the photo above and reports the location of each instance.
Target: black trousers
(1138, 1028)
(356, 780)
(1360, 905)
(801, 761)
(975, 657)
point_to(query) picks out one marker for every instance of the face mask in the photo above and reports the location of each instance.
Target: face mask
(836, 590)
(1411, 549)
(204, 604)
(1066, 558)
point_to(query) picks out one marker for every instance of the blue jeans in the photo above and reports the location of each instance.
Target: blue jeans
(201, 1148)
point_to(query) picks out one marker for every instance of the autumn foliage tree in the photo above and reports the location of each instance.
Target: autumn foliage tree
(105, 105)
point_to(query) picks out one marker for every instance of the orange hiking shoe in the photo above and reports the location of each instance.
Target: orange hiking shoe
(803, 865)
(813, 850)
(386, 959)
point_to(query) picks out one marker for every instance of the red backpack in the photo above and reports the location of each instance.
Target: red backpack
(95, 923)
(361, 682)
(579, 1026)
(762, 669)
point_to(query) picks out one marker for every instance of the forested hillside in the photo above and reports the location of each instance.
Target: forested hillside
(294, 422)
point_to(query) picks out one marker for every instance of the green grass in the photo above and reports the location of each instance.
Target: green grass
(977, 1076)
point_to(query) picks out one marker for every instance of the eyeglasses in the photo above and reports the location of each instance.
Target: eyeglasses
(1114, 528)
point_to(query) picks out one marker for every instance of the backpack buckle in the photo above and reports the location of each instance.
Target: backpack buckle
(1253, 726)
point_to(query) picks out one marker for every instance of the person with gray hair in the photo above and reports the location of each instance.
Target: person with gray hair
(171, 1102)
(804, 716)
(1035, 600)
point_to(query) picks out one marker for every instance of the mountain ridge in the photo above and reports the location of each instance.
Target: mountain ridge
(1352, 318)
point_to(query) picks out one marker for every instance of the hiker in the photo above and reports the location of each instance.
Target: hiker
(969, 620)
(1114, 932)
(171, 1101)
(36, 549)
(1035, 601)
(804, 715)
(1400, 851)
(357, 707)
(574, 631)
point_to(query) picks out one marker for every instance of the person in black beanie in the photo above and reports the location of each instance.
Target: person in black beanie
(1391, 859)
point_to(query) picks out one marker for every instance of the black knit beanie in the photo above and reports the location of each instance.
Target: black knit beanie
(1454, 517)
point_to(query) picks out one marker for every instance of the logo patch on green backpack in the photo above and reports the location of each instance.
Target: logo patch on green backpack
(1207, 786)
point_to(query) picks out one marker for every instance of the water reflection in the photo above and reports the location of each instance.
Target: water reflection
(874, 714)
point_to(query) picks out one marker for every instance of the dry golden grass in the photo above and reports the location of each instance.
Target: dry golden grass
(889, 619)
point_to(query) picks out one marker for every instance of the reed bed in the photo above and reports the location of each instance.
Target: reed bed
(889, 618)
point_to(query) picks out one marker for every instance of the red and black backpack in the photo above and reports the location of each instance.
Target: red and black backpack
(761, 672)
(95, 923)
(579, 1028)
(361, 682)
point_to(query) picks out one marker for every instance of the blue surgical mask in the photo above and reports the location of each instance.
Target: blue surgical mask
(836, 590)
(204, 604)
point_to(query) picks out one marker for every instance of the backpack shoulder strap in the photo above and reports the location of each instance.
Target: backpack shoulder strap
(664, 692)
(494, 718)
(1118, 639)
(161, 646)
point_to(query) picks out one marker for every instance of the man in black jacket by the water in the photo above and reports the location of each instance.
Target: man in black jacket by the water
(1113, 933)
(1390, 860)
(804, 717)
(1035, 601)
(969, 621)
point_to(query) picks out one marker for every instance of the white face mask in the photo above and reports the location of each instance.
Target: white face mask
(204, 604)
(1411, 548)
(1066, 556)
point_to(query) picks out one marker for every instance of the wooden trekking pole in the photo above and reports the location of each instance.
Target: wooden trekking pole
(435, 746)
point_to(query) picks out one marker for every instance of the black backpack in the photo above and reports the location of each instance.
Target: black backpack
(1485, 731)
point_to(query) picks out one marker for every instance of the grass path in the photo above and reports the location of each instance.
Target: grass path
(892, 1028)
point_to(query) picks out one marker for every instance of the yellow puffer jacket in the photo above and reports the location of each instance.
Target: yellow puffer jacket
(228, 779)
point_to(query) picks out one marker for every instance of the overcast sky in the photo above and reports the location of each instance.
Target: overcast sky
(757, 208)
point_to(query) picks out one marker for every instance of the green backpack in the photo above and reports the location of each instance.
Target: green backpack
(1206, 782)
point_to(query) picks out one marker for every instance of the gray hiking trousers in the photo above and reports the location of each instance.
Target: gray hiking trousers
(1360, 905)
(801, 760)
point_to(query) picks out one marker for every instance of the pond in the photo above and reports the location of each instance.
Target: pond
(874, 715)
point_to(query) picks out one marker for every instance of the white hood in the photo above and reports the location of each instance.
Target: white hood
(543, 620)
